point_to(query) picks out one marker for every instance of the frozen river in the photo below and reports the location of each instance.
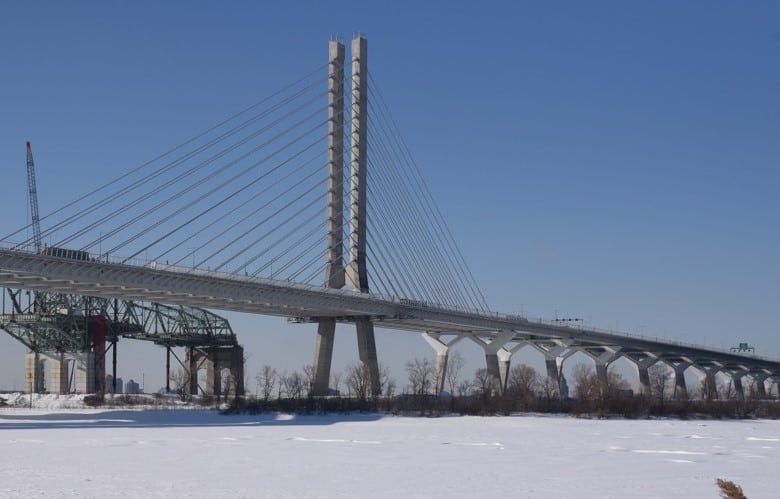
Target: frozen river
(194, 453)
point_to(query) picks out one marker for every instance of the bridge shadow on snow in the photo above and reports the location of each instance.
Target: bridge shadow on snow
(170, 419)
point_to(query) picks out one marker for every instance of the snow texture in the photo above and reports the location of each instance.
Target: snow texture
(200, 453)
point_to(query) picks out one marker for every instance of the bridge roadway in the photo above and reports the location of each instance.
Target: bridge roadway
(207, 289)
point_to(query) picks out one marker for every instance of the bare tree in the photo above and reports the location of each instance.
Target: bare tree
(727, 390)
(179, 381)
(359, 380)
(421, 375)
(294, 384)
(308, 377)
(660, 379)
(708, 388)
(335, 381)
(386, 382)
(550, 388)
(523, 384)
(266, 380)
(585, 384)
(465, 388)
(455, 365)
(485, 383)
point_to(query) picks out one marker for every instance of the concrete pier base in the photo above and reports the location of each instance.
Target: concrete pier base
(34, 378)
(85, 372)
(214, 360)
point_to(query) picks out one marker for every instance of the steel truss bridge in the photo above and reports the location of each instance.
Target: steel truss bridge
(262, 243)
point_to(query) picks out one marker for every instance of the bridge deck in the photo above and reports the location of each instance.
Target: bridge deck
(197, 288)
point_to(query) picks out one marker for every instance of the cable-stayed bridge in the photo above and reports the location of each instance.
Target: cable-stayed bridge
(308, 205)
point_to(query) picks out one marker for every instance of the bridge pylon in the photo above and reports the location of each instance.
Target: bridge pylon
(355, 273)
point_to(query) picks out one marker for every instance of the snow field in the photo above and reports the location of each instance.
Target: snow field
(150, 454)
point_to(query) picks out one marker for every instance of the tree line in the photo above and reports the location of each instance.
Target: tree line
(524, 390)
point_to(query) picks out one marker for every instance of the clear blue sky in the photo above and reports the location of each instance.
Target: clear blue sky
(615, 161)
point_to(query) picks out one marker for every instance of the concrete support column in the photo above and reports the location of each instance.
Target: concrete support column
(85, 372)
(680, 387)
(442, 356)
(191, 373)
(707, 381)
(643, 366)
(33, 373)
(59, 374)
(554, 357)
(323, 356)
(492, 348)
(367, 351)
(237, 369)
(357, 274)
(736, 380)
(758, 385)
(602, 363)
(213, 374)
(505, 363)
(334, 271)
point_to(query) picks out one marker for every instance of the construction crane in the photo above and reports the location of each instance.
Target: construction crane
(33, 194)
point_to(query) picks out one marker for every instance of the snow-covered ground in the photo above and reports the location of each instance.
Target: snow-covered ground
(198, 453)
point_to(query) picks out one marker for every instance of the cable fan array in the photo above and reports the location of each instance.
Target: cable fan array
(411, 250)
(248, 196)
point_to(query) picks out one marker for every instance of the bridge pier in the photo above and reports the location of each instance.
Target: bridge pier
(323, 355)
(736, 381)
(442, 356)
(492, 347)
(504, 362)
(679, 366)
(367, 351)
(554, 356)
(758, 385)
(707, 382)
(215, 359)
(602, 362)
(33, 373)
(643, 366)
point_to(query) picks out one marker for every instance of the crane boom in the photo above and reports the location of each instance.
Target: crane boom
(33, 194)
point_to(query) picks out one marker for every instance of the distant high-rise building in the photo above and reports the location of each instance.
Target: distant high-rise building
(110, 384)
(132, 387)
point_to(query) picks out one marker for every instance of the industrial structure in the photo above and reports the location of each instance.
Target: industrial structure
(260, 251)
(69, 335)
